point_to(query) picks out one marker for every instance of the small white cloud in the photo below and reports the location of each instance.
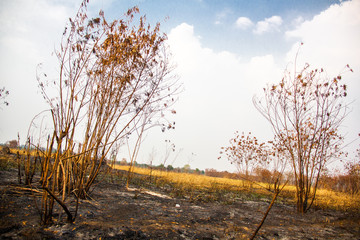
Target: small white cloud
(297, 21)
(268, 25)
(221, 16)
(243, 23)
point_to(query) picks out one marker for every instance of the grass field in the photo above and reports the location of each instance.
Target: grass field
(195, 186)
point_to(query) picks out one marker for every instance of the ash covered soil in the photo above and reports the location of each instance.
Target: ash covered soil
(117, 213)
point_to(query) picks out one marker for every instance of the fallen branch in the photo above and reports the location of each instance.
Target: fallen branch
(277, 191)
(28, 189)
(19, 190)
(68, 213)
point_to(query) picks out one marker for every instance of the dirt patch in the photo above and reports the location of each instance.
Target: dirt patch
(117, 213)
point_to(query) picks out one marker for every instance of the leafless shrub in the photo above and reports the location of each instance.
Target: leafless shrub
(305, 110)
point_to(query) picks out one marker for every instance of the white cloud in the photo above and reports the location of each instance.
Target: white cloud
(243, 23)
(29, 31)
(268, 25)
(331, 39)
(297, 21)
(218, 97)
(221, 16)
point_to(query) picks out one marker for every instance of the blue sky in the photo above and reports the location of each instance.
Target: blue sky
(215, 21)
(225, 52)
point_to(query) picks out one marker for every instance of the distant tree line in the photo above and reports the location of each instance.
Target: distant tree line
(161, 167)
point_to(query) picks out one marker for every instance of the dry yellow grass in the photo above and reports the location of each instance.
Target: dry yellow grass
(194, 180)
(21, 151)
(325, 198)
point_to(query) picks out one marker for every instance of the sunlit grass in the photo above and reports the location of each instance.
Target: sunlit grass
(324, 198)
(194, 180)
(337, 200)
(188, 183)
(21, 151)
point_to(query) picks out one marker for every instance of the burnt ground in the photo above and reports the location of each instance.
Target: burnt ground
(117, 213)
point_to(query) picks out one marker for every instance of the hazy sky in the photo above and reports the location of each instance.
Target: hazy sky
(225, 51)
